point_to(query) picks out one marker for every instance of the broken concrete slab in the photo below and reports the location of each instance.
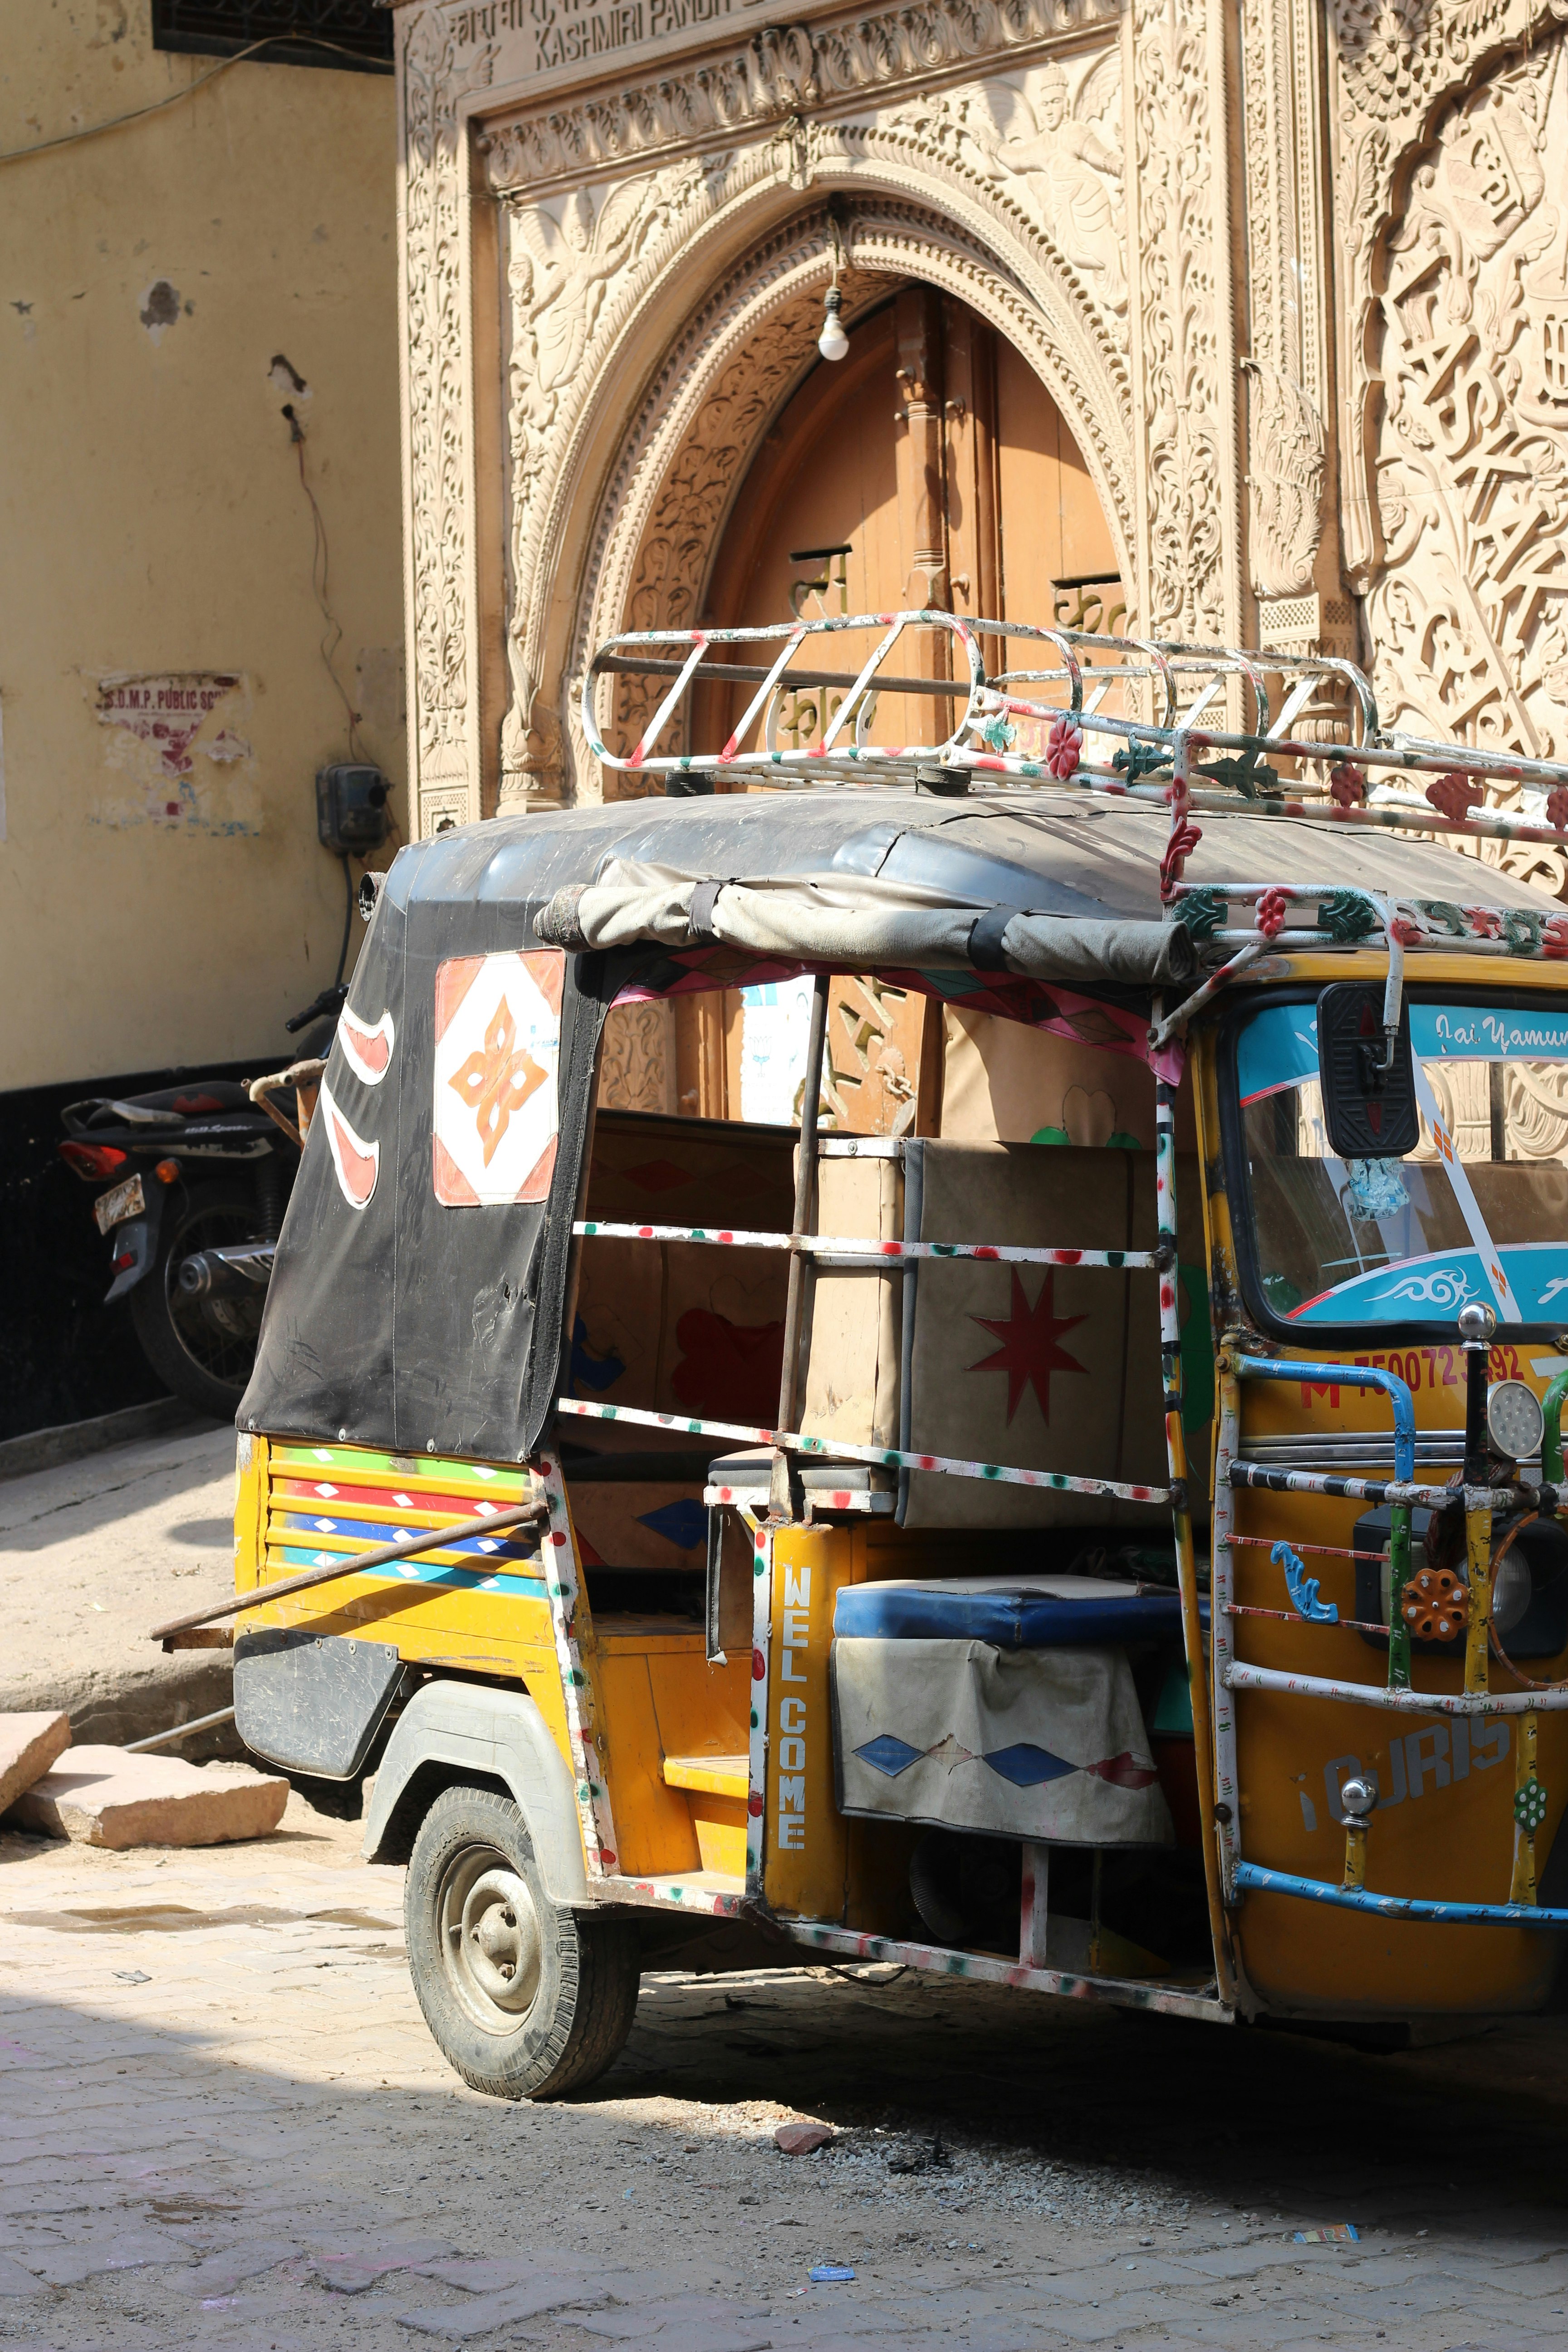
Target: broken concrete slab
(667, 2318)
(352, 2270)
(14, 2280)
(28, 1746)
(528, 2297)
(127, 2250)
(221, 2273)
(103, 1796)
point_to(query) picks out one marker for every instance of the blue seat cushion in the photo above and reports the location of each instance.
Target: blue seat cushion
(1047, 1613)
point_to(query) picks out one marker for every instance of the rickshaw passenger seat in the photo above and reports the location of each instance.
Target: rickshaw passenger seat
(1009, 1613)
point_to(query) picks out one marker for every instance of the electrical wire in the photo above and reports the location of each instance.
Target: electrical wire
(139, 113)
(332, 636)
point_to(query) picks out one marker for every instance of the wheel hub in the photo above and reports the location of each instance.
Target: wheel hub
(490, 1938)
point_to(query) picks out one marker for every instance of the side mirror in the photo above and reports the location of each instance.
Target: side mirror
(1369, 1110)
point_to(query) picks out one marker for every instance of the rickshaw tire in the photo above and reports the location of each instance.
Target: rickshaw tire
(588, 1968)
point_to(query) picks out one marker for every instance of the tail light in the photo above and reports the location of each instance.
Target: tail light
(91, 1159)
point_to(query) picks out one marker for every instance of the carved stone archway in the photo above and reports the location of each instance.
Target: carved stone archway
(583, 183)
(660, 517)
(616, 503)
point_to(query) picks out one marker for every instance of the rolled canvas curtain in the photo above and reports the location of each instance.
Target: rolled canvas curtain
(858, 922)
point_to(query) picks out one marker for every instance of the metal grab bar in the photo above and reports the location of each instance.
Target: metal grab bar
(831, 1245)
(1402, 1701)
(881, 1457)
(1251, 1877)
(1349, 1489)
(1551, 1433)
(1398, 1391)
(1231, 1473)
(1348, 1376)
(1396, 1696)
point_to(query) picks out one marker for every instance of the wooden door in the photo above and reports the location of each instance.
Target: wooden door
(929, 468)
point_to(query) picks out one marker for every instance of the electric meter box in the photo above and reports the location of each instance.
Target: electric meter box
(351, 808)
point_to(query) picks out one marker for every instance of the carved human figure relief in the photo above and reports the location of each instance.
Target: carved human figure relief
(1071, 166)
(1470, 616)
(561, 257)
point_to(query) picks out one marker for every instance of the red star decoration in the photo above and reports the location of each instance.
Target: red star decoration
(1029, 1352)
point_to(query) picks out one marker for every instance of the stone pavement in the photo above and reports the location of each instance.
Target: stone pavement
(93, 1553)
(224, 2125)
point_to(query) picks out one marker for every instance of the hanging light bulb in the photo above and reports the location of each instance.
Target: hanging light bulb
(833, 343)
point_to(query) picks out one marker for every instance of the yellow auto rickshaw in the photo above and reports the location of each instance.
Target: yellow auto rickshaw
(1092, 1526)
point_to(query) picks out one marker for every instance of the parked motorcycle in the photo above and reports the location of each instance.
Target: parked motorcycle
(190, 1184)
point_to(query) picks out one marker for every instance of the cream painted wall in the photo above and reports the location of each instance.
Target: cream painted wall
(153, 523)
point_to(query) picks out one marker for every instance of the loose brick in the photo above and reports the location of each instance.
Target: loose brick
(102, 1796)
(28, 1746)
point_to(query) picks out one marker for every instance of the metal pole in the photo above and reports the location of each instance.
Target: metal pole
(180, 1731)
(1478, 1325)
(354, 1563)
(1182, 1525)
(785, 1498)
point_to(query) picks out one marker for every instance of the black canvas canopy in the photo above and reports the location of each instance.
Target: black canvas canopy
(416, 1299)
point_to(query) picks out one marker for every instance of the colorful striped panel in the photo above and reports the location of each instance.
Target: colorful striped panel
(429, 1504)
(373, 1533)
(425, 1571)
(381, 1498)
(351, 1461)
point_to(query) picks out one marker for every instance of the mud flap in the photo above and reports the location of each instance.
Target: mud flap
(310, 1702)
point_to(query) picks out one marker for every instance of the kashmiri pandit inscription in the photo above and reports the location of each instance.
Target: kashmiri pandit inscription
(175, 751)
(1469, 615)
(534, 35)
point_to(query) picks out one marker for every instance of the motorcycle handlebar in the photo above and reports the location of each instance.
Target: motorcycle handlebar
(331, 1000)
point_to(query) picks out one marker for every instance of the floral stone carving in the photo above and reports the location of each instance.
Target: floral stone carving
(1469, 614)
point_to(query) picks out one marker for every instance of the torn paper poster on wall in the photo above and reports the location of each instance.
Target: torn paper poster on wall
(175, 740)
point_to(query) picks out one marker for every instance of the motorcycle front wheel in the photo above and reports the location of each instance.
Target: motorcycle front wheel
(202, 1348)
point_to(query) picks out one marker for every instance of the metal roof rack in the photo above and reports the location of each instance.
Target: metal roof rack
(1224, 768)
(1161, 746)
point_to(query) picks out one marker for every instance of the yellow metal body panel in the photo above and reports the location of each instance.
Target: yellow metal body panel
(438, 1624)
(653, 1821)
(807, 1838)
(720, 1826)
(1444, 1828)
(662, 1698)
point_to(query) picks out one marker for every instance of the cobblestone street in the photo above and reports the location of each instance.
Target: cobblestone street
(225, 2123)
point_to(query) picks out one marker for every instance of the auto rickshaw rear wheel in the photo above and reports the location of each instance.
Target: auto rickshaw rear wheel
(525, 1998)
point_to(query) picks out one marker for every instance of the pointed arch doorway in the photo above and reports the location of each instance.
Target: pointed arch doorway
(928, 466)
